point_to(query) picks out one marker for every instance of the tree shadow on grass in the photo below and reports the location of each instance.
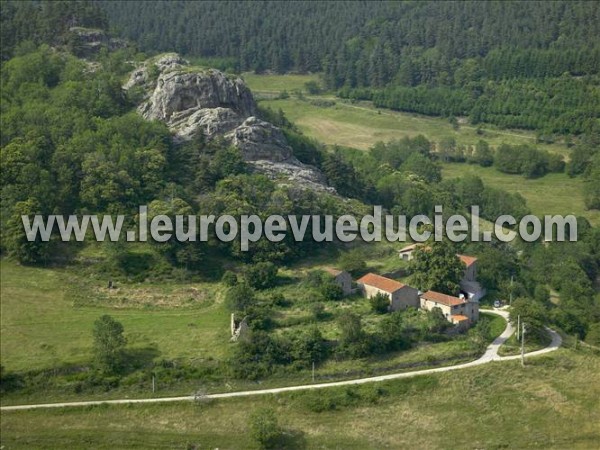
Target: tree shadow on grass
(138, 358)
(291, 440)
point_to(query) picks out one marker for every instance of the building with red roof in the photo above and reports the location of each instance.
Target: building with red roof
(401, 295)
(458, 310)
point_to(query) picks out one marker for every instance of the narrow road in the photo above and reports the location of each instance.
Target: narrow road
(491, 354)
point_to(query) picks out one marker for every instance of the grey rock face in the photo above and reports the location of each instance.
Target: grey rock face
(209, 102)
(259, 140)
(142, 75)
(185, 93)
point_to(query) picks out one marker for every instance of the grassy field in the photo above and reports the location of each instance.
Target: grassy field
(554, 193)
(360, 125)
(42, 329)
(551, 403)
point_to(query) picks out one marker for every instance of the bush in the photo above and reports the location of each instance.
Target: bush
(379, 303)
(318, 311)
(108, 344)
(229, 278)
(353, 262)
(265, 429)
(261, 275)
(312, 87)
(331, 291)
(240, 297)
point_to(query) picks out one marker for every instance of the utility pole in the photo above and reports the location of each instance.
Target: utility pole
(313, 371)
(523, 345)
(511, 290)
(518, 326)
(153, 385)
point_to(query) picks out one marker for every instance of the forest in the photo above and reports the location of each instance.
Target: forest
(530, 65)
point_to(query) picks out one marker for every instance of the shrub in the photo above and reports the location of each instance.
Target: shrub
(312, 87)
(353, 262)
(265, 429)
(379, 303)
(240, 297)
(318, 310)
(108, 344)
(331, 291)
(261, 275)
(229, 278)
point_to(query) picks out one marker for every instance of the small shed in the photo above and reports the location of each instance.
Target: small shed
(342, 278)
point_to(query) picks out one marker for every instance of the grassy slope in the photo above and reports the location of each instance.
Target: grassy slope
(549, 404)
(41, 328)
(360, 126)
(554, 193)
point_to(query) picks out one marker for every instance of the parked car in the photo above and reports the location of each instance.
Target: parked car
(497, 304)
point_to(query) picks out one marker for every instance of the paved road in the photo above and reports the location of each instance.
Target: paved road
(491, 354)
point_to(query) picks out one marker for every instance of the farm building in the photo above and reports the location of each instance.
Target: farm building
(460, 311)
(468, 284)
(401, 295)
(342, 278)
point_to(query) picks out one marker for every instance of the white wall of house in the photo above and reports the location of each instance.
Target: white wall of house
(429, 305)
(469, 309)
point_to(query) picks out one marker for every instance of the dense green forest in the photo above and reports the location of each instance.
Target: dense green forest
(527, 65)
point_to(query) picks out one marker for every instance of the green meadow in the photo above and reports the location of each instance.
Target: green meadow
(41, 328)
(551, 404)
(554, 193)
(360, 125)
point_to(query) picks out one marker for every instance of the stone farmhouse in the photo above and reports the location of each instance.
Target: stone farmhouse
(469, 286)
(401, 295)
(342, 278)
(459, 311)
(406, 253)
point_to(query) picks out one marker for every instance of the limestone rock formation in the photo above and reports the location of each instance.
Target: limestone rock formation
(193, 101)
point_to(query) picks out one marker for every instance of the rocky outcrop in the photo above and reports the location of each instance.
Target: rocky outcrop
(183, 93)
(208, 102)
(143, 75)
(260, 140)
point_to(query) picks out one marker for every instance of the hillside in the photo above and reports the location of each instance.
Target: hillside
(550, 404)
(191, 195)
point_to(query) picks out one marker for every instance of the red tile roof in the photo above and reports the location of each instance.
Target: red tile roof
(467, 260)
(382, 283)
(444, 299)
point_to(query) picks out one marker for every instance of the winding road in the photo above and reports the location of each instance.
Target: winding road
(491, 354)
